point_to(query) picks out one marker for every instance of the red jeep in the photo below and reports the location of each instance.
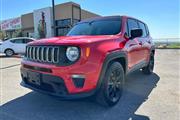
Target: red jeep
(92, 60)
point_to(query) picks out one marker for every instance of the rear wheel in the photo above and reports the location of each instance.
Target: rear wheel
(9, 52)
(150, 67)
(112, 86)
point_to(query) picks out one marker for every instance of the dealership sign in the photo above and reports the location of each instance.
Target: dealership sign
(11, 24)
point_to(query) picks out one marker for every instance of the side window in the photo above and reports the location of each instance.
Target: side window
(18, 41)
(143, 27)
(147, 30)
(126, 30)
(12, 41)
(132, 24)
(27, 40)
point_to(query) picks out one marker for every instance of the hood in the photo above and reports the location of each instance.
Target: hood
(75, 40)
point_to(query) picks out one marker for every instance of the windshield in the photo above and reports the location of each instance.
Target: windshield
(103, 27)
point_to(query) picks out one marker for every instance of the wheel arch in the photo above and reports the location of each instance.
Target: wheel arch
(122, 61)
(152, 50)
(117, 56)
(8, 49)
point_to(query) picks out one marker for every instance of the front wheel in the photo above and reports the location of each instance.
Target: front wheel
(150, 67)
(112, 86)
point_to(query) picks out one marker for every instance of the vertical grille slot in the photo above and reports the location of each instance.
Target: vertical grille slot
(55, 55)
(36, 53)
(46, 54)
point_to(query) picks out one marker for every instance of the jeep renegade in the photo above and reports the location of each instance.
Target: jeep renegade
(91, 60)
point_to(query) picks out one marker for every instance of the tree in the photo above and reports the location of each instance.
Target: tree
(2, 35)
(17, 33)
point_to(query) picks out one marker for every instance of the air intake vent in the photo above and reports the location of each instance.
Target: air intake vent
(47, 54)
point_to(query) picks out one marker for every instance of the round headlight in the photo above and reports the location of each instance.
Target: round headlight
(72, 53)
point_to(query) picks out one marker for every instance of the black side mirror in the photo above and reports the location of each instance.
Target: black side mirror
(136, 33)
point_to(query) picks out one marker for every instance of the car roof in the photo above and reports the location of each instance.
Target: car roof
(21, 38)
(116, 17)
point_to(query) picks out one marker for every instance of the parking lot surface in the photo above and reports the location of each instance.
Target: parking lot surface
(153, 97)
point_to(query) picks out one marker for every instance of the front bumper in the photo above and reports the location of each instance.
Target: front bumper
(51, 85)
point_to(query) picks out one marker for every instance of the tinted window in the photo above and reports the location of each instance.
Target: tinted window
(132, 24)
(62, 31)
(142, 26)
(19, 41)
(27, 40)
(12, 41)
(147, 30)
(63, 23)
(102, 27)
(127, 31)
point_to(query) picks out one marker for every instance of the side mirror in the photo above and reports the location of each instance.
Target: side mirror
(136, 33)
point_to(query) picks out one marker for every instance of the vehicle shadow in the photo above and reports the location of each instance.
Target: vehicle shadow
(35, 106)
(14, 56)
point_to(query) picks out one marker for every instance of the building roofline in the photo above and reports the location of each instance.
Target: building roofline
(91, 12)
(51, 7)
(70, 2)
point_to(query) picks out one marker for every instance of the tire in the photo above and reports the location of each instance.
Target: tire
(150, 67)
(9, 52)
(111, 88)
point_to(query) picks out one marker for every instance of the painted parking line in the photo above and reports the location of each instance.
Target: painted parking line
(9, 66)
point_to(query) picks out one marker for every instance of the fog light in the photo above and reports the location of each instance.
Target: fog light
(78, 80)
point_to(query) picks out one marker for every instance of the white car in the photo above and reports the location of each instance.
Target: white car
(15, 46)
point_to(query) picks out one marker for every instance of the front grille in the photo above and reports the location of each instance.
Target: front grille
(46, 54)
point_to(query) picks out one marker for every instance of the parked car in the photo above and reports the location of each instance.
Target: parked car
(1, 41)
(15, 46)
(92, 60)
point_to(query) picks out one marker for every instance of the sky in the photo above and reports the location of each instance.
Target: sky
(162, 16)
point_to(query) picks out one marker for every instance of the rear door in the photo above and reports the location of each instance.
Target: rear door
(144, 41)
(135, 55)
(18, 45)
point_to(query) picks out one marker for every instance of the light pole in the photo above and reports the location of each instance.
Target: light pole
(54, 22)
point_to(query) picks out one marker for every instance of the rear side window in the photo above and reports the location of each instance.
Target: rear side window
(127, 30)
(27, 40)
(147, 30)
(132, 24)
(143, 27)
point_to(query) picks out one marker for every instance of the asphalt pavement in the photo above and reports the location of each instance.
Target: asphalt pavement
(146, 97)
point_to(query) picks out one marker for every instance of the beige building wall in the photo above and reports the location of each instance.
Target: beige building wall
(86, 14)
(62, 11)
(27, 23)
(76, 13)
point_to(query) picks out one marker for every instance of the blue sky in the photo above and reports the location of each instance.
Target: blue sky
(162, 16)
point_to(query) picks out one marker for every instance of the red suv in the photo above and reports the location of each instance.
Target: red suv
(91, 60)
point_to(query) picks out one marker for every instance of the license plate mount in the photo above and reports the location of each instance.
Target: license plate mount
(34, 78)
